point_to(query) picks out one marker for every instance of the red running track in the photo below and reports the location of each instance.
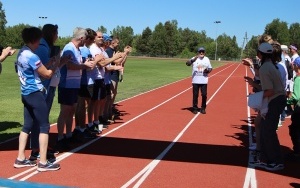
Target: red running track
(158, 142)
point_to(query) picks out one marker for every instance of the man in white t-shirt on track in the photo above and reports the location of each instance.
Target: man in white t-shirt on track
(201, 68)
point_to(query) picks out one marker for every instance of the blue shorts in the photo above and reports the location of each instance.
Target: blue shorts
(67, 96)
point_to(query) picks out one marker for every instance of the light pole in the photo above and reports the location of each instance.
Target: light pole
(216, 22)
(43, 18)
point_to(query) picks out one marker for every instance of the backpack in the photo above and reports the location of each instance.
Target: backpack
(289, 68)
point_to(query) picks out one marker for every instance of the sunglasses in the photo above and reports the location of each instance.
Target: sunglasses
(201, 51)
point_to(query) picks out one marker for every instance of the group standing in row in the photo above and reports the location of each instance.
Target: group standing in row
(86, 75)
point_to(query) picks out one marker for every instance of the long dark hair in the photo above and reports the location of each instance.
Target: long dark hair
(49, 30)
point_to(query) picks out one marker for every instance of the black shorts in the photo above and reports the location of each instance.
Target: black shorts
(67, 96)
(115, 75)
(108, 89)
(86, 91)
(99, 91)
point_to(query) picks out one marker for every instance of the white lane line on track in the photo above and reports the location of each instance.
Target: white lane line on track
(126, 99)
(143, 174)
(67, 154)
(250, 178)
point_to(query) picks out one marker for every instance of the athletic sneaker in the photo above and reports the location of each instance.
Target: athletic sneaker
(52, 151)
(94, 128)
(36, 155)
(24, 163)
(62, 145)
(48, 167)
(105, 126)
(202, 111)
(258, 163)
(274, 167)
(88, 134)
(252, 147)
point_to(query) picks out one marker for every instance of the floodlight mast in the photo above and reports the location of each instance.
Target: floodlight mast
(43, 17)
(216, 22)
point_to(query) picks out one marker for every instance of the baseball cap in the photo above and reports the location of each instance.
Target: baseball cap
(284, 47)
(106, 37)
(265, 48)
(297, 62)
(294, 47)
(201, 49)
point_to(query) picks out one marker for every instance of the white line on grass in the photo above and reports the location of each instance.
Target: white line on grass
(143, 174)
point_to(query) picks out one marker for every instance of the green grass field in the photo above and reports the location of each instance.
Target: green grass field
(140, 75)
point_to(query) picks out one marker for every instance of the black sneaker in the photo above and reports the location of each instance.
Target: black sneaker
(293, 157)
(258, 163)
(274, 167)
(105, 126)
(95, 129)
(202, 111)
(52, 151)
(92, 129)
(195, 110)
(77, 136)
(62, 145)
(36, 155)
(48, 167)
(24, 163)
(88, 134)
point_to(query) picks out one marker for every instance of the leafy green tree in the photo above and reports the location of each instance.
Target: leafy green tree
(227, 47)
(157, 44)
(171, 38)
(15, 35)
(102, 29)
(294, 31)
(125, 35)
(62, 41)
(2, 26)
(251, 47)
(142, 44)
(278, 30)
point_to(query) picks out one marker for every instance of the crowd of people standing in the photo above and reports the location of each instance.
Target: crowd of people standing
(279, 90)
(84, 73)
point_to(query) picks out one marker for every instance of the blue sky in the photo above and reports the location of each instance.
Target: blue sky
(237, 16)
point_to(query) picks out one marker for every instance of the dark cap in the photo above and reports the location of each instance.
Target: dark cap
(201, 49)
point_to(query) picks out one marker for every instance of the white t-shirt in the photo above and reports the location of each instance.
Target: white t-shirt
(98, 70)
(198, 76)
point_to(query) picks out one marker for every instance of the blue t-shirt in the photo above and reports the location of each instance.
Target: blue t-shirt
(115, 73)
(27, 64)
(71, 78)
(87, 74)
(43, 51)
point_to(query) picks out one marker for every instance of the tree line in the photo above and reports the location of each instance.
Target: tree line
(169, 40)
